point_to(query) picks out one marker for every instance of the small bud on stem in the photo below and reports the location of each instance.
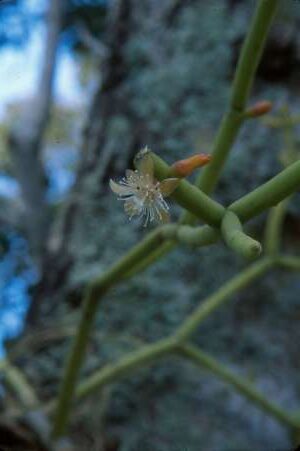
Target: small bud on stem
(259, 109)
(183, 168)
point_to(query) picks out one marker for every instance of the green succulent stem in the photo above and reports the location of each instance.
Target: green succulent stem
(273, 230)
(278, 188)
(150, 353)
(288, 262)
(243, 80)
(197, 236)
(272, 192)
(145, 356)
(236, 239)
(269, 194)
(18, 383)
(181, 234)
(94, 293)
(251, 52)
(151, 258)
(240, 384)
(219, 297)
(225, 138)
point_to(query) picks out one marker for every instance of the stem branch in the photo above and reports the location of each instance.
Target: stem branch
(269, 194)
(238, 383)
(236, 239)
(274, 225)
(215, 300)
(243, 80)
(91, 300)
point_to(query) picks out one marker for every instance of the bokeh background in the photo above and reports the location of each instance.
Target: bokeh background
(83, 86)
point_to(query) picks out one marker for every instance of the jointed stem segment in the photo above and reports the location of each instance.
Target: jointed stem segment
(269, 194)
(177, 344)
(251, 53)
(90, 304)
(274, 228)
(240, 384)
(214, 301)
(236, 239)
(243, 80)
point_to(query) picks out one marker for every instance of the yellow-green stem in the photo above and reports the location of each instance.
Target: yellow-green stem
(18, 383)
(243, 80)
(269, 194)
(145, 356)
(92, 297)
(288, 262)
(236, 239)
(215, 300)
(273, 230)
(239, 384)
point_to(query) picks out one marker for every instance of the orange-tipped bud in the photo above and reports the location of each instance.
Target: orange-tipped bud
(183, 168)
(259, 109)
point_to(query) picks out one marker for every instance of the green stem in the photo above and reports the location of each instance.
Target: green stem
(251, 52)
(197, 236)
(151, 258)
(247, 207)
(288, 262)
(269, 194)
(239, 384)
(214, 301)
(192, 236)
(225, 138)
(145, 356)
(18, 383)
(273, 231)
(236, 239)
(94, 292)
(248, 61)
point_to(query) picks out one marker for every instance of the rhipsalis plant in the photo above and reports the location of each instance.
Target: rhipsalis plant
(144, 190)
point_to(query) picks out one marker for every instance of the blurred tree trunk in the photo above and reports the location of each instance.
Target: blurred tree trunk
(101, 152)
(96, 156)
(26, 139)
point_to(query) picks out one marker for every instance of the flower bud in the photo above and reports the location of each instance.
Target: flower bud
(259, 109)
(183, 168)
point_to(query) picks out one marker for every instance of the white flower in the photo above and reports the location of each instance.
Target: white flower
(143, 196)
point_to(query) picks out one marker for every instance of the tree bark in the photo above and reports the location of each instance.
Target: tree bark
(27, 138)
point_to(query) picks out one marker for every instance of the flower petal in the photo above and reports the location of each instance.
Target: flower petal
(165, 217)
(120, 190)
(131, 208)
(167, 186)
(144, 163)
(130, 173)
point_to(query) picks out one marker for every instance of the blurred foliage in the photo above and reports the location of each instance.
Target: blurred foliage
(63, 126)
(62, 129)
(84, 14)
